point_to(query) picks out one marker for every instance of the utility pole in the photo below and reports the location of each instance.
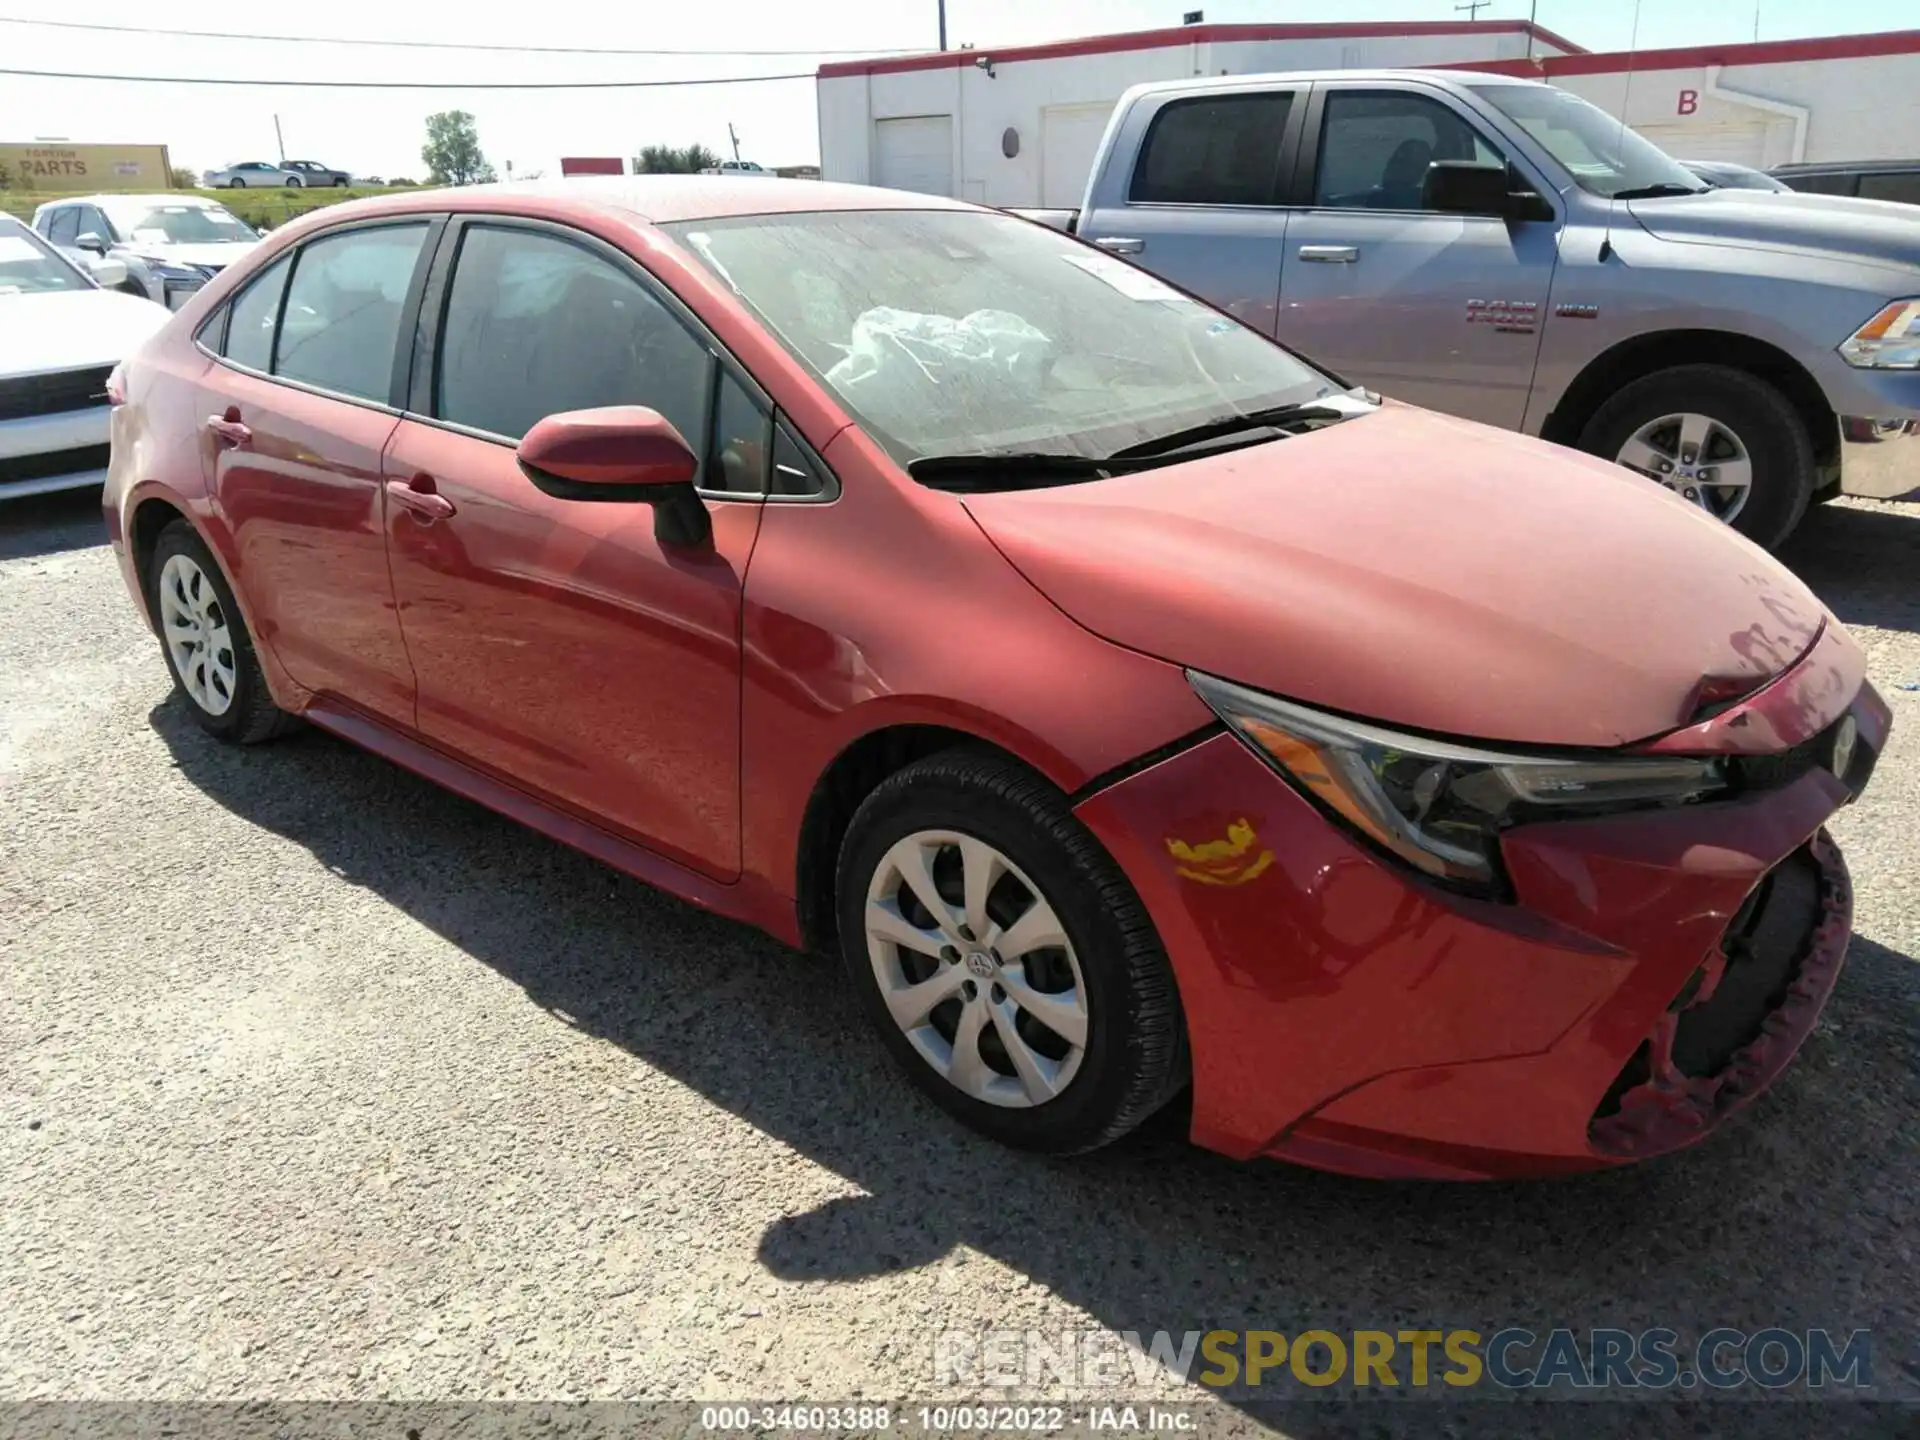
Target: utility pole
(280, 139)
(943, 23)
(734, 139)
(1756, 21)
(1473, 8)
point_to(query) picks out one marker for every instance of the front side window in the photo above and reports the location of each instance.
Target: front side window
(251, 318)
(968, 333)
(1375, 147)
(536, 325)
(1604, 156)
(342, 315)
(1900, 185)
(1214, 150)
(64, 228)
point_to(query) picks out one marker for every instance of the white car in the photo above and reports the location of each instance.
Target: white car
(250, 175)
(60, 337)
(171, 244)
(740, 170)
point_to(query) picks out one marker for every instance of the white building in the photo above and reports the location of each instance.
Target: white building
(1019, 125)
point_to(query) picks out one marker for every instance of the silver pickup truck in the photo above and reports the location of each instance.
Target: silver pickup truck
(1505, 251)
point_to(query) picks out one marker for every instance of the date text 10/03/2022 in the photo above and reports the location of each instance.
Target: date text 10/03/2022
(948, 1419)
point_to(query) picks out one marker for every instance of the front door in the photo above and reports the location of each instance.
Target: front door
(1436, 309)
(559, 643)
(1201, 205)
(295, 421)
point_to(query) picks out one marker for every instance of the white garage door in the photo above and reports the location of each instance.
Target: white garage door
(1744, 142)
(915, 154)
(1069, 135)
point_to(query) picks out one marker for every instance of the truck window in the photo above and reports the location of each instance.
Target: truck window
(1901, 185)
(1375, 147)
(1213, 150)
(1832, 183)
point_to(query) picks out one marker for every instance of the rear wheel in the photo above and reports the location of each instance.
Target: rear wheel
(205, 641)
(1719, 438)
(294, 182)
(1005, 960)
(339, 180)
(236, 183)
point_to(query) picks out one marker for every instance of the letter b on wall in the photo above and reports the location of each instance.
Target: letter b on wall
(1689, 102)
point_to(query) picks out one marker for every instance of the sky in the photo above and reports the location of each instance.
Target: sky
(380, 131)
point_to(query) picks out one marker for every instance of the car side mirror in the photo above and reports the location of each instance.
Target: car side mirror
(107, 274)
(620, 453)
(1472, 187)
(92, 243)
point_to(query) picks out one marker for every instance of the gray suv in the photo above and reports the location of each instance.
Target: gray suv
(1505, 251)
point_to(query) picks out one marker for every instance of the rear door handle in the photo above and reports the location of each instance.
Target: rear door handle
(419, 496)
(1121, 244)
(228, 429)
(1330, 254)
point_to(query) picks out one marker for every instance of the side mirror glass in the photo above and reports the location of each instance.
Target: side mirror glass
(107, 274)
(92, 243)
(620, 453)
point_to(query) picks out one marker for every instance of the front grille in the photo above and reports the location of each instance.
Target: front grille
(1774, 772)
(50, 394)
(55, 462)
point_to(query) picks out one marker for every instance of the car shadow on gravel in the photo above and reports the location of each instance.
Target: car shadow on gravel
(49, 524)
(1863, 560)
(1792, 1217)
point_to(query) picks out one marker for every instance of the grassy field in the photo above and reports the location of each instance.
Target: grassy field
(262, 209)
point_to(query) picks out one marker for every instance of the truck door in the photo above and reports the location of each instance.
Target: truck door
(1188, 186)
(1437, 309)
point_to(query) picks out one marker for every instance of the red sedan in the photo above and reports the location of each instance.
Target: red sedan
(1134, 707)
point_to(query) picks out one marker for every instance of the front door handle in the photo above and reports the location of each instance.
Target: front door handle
(227, 428)
(1121, 244)
(419, 496)
(1330, 254)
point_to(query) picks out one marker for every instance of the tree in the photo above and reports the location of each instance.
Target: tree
(674, 160)
(452, 152)
(183, 178)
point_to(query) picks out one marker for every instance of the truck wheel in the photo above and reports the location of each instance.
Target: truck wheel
(1723, 439)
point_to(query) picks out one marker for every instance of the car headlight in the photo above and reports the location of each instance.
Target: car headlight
(1438, 805)
(1889, 341)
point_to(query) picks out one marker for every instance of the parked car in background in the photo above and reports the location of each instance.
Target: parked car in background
(1508, 252)
(61, 333)
(255, 175)
(308, 172)
(1434, 801)
(1897, 180)
(1725, 175)
(171, 244)
(740, 169)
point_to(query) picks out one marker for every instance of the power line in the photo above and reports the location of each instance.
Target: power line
(419, 44)
(405, 84)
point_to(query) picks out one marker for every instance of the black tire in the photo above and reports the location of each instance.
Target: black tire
(1135, 1058)
(340, 182)
(1776, 440)
(294, 182)
(251, 716)
(236, 183)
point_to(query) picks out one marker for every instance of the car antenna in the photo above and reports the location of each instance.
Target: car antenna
(1626, 96)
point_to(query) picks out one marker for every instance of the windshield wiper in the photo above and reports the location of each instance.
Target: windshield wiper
(1013, 470)
(1654, 192)
(1275, 420)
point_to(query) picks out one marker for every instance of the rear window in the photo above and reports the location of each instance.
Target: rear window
(342, 315)
(1216, 150)
(1834, 184)
(1900, 185)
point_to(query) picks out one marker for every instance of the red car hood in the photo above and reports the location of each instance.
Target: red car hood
(1425, 571)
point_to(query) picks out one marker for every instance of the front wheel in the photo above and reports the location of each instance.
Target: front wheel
(339, 182)
(294, 182)
(236, 183)
(1720, 438)
(1004, 958)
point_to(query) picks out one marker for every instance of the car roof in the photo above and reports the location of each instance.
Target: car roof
(1295, 77)
(656, 197)
(117, 197)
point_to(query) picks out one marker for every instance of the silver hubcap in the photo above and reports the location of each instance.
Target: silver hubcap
(976, 968)
(198, 642)
(1696, 457)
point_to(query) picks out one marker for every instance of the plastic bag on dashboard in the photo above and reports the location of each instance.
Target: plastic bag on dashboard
(901, 353)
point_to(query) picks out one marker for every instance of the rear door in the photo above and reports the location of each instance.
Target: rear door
(560, 644)
(1436, 309)
(295, 417)
(1200, 204)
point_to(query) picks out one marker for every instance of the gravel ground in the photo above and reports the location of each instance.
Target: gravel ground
(316, 1081)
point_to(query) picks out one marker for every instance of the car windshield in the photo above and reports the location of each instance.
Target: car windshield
(957, 332)
(1605, 157)
(179, 224)
(27, 266)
